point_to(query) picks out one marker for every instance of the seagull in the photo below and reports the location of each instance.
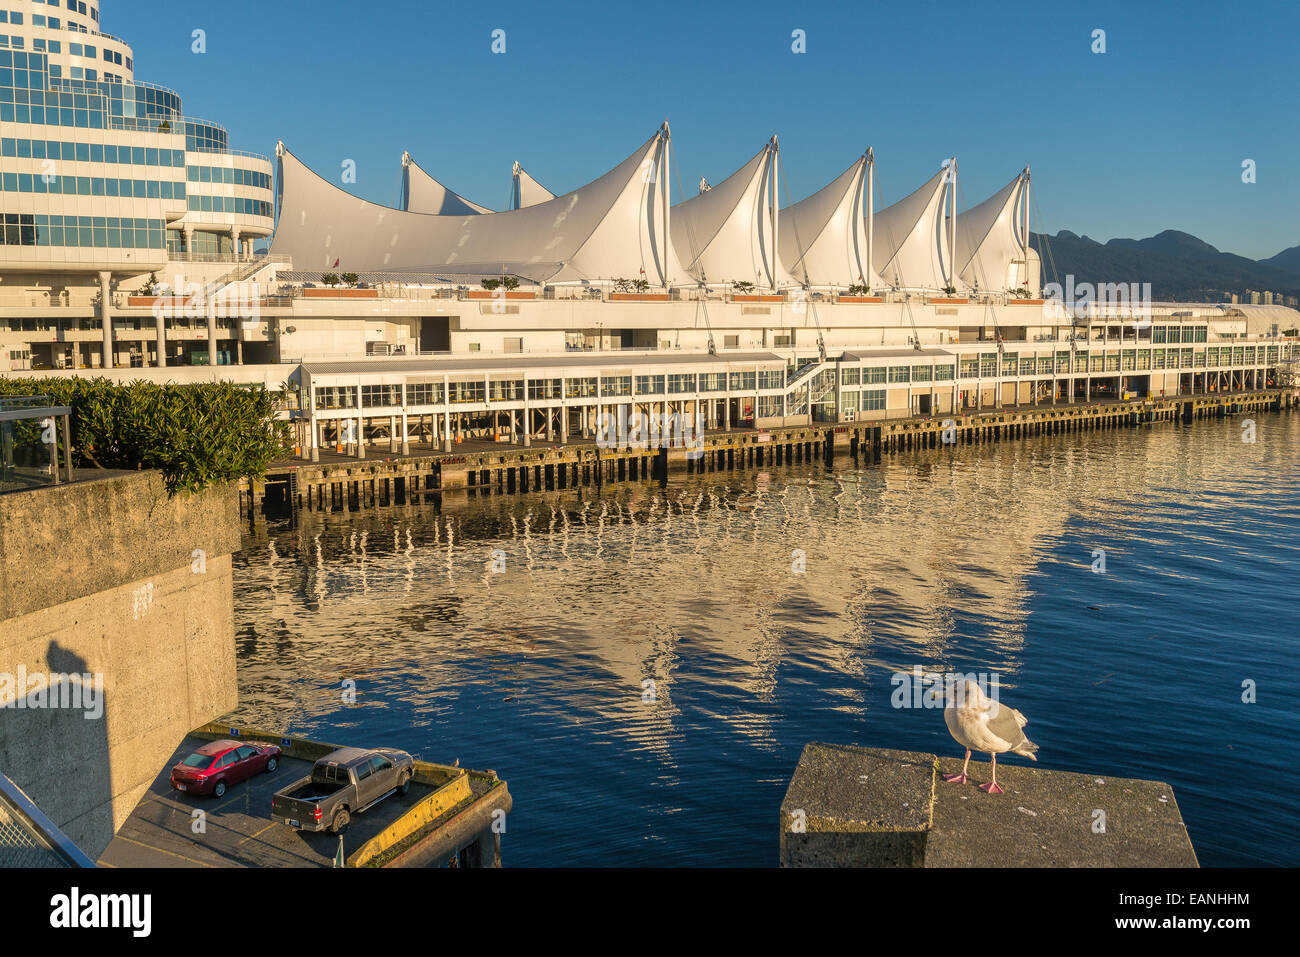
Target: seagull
(982, 724)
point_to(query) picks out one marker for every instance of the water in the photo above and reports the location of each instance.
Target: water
(971, 559)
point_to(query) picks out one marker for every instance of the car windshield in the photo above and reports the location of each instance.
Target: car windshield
(197, 760)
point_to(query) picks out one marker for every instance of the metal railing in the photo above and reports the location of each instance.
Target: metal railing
(28, 838)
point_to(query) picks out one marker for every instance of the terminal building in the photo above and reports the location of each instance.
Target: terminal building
(442, 318)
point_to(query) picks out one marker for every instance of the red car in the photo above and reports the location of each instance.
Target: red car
(216, 766)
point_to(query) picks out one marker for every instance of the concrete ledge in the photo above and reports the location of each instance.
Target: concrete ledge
(65, 542)
(870, 807)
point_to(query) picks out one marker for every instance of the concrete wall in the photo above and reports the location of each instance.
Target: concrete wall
(102, 578)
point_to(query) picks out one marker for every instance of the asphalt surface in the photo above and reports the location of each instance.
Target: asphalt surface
(237, 828)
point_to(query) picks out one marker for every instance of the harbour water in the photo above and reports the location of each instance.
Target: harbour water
(643, 664)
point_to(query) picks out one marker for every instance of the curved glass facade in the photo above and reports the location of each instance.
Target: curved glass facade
(97, 161)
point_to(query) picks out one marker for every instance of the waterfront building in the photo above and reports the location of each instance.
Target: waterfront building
(443, 318)
(104, 182)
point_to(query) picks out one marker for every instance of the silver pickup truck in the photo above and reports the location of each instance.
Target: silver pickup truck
(343, 783)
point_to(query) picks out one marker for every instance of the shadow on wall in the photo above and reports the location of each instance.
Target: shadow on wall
(47, 715)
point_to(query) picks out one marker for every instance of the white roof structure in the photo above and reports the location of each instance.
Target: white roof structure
(526, 191)
(728, 232)
(421, 193)
(909, 247)
(823, 239)
(991, 239)
(616, 226)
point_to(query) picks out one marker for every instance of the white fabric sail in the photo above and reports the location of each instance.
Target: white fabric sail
(910, 245)
(990, 247)
(824, 237)
(727, 233)
(615, 226)
(421, 193)
(526, 191)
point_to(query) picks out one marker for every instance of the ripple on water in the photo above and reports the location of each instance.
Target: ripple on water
(648, 668)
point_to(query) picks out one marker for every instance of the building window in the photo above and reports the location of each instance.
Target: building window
(424, 393)
(900, 374)
(744, 381)
(580, 388)
(873, 400)
(336, 397)
(471, 390)
(616, 385)
(649, 385)
(543, 388)
(681, 382)
(713, 382)
(772, 378)
(850, 376)
(381, 396)
(875, 374)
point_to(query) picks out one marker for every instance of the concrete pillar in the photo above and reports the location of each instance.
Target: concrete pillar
(446, 414)
(315, 440)
(564, 425)
(235, 245)
(361, 435)
(160, 335)
(393, 445)
(106, 318)
(212, 338)
(406, 440)
(189, 241)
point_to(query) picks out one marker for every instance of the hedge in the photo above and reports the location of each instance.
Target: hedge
(196, 435)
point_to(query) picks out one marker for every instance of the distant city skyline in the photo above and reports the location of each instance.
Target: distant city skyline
(1147, 136)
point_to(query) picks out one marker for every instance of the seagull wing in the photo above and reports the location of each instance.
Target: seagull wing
(1006, 724)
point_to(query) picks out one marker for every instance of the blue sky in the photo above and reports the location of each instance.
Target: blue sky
(1149, 135)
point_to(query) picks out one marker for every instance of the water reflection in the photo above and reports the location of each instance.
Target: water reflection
(974, 559)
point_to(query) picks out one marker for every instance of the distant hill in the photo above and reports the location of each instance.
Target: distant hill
(1288, 259)
(1179, 266)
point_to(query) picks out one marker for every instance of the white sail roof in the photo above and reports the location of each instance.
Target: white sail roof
(908, 243)
(615, 226)
(526, 191)
(823, 238)
(421, 193)
(728, 232)
(989, 240)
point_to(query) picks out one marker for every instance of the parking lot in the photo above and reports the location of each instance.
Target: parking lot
(237, 830)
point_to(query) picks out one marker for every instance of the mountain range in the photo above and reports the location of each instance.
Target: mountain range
(1179, 266)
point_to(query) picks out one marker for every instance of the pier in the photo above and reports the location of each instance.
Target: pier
(348, 484)
(450, 814)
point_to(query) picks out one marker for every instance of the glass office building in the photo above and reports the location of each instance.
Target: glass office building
(99, 171)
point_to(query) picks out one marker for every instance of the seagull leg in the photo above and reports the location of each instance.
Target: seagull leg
(992, 786)
(959, 778)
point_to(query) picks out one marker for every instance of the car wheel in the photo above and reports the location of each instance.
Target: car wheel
(404, 786)
(340, 821)
(270, 764)
(219, 789)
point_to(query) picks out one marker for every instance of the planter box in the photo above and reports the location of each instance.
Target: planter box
(638, 297)
(1024, 302)
(340, 293)
(756, 298)
(859, 298)
(494, 294)
(948, 302)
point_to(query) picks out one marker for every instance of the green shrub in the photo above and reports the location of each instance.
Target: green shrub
(196, 435)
